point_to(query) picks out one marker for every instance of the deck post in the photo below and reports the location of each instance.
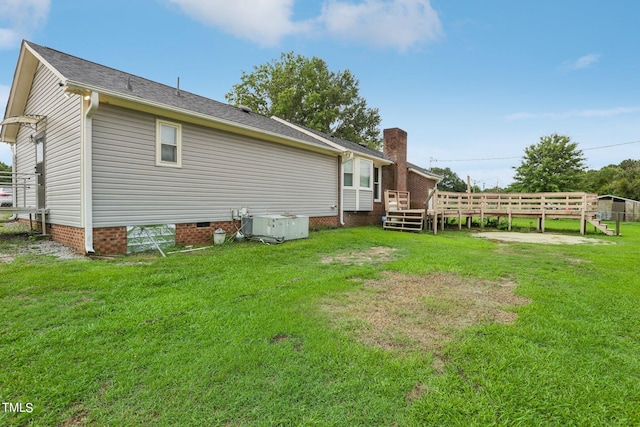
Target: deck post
(544, 212)
(583, 216)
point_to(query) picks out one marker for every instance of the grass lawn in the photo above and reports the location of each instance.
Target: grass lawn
(343, 328)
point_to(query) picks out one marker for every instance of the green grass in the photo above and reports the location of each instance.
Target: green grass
(235, 335)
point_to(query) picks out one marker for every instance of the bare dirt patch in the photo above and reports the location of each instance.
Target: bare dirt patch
(405, 312)
(544, 238)
(374, 254)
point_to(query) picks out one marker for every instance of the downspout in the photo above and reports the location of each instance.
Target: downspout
(87, 172)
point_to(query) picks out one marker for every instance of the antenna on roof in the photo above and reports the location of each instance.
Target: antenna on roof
(178, 89)
(129, 87)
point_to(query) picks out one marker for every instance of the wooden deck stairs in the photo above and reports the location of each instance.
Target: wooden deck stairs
(600, 226)
(399, 215)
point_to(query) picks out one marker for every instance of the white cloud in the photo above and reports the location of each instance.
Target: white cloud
(585, 61)
(398, 24)
(18, 18)
(264, 22)
(574, 113)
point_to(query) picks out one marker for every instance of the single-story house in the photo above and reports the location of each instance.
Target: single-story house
(109, 150)
(609, 205)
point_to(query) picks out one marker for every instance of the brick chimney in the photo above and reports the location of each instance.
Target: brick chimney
(395, 147)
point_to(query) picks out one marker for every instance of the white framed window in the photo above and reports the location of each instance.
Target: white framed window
(377, 184)
(366, 173)
(347, 173)
(168, 144)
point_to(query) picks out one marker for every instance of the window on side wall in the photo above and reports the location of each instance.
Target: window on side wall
(377, 178)
(168, 144)
(347, 171)
(366, 172)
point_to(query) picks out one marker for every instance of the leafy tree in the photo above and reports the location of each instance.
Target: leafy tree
(554, 164)
(621, 180)
(303, 91)
(4, 176)
(450, 180)
(603, 181)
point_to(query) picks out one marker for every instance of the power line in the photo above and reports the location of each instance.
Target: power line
(477, 160)
(519, 157)
(612, 145)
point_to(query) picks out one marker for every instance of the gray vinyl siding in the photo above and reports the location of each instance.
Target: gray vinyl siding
(350, 197)
(220, 172)
(62, 148)
(366, 200)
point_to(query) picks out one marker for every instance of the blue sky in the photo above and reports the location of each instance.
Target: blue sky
(468, 80)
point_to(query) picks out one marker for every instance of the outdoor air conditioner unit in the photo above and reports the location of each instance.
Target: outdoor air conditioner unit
(276, 228)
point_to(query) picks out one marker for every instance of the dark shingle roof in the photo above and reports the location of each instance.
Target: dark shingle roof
(424, 171)
(352, 146)
(349, 145)
(98, 76)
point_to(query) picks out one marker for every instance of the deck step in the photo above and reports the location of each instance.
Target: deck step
(602, 227)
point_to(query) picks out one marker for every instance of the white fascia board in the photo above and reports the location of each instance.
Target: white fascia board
(19, 92)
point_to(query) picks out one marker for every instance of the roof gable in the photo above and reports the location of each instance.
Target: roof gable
(79, 74)
(19, 93)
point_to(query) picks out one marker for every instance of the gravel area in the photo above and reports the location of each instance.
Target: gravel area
(17, 240)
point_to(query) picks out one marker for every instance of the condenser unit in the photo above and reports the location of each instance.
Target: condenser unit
(276, 228)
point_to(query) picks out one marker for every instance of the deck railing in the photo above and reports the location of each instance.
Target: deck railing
(24, 188)
(516, 203)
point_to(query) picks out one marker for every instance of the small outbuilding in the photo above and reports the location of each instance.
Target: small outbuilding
(609, 205)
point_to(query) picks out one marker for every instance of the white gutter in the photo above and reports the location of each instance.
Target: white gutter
(87, 172)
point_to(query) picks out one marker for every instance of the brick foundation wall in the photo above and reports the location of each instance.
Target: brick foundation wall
(72, 237)
(192, 234)
(323, 221)
(110, 240)
(113, 240)
(68, 236)
(360, 219)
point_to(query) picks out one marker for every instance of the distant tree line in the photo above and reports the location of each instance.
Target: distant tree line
(555, 164)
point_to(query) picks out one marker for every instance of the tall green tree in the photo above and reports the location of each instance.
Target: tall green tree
(553, 164)
(304, 91)
(450, 180)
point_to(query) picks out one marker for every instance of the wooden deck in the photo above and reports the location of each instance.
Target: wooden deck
(581, 206)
